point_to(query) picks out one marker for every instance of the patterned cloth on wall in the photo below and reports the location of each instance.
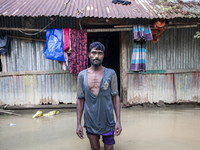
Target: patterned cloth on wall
(138, 61)
(78, 59)
(142, 32)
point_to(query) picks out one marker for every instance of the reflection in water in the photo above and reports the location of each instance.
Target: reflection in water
(142, 129)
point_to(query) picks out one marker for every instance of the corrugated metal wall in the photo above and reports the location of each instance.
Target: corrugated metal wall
(38, 89)
(177, 49)
(187, 86)
(34, 89)
(170, 88)
(27, 55)
(151, 88)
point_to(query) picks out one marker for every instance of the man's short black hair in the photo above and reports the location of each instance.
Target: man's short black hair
(97, 45)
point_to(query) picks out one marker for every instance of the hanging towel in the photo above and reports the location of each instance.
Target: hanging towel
(78, 59)
(142, 32)
(66, 36)
(138, 61)
(54, 45)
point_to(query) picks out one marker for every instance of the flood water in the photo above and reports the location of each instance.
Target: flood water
(143, 129)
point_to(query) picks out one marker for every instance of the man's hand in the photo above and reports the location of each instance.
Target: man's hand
(118, 129)
(79, 132)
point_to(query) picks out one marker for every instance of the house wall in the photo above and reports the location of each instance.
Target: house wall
(27, 56)
(177, 49)
(28, 78)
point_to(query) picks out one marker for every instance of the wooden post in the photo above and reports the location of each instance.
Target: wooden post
(123, 68)
(3, 62)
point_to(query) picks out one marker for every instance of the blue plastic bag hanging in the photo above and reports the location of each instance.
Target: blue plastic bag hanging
(54, 45)
(4, 43)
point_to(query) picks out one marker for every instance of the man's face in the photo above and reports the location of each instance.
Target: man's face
(96, 57)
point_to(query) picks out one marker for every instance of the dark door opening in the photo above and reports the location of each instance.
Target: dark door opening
(111, 43)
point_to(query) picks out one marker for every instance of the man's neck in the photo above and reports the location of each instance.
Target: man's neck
(96, 68)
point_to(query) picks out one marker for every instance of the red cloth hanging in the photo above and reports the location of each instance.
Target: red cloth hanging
(66, 41)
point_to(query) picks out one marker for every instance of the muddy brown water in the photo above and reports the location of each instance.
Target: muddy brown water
(143, 129)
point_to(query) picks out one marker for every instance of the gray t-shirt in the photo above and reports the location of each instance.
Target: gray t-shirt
(98, 110)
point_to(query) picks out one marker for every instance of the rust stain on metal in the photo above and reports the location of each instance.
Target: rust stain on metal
(138, 99)
(195, 98)
(150, 88)
(170, 88)
(48, 100)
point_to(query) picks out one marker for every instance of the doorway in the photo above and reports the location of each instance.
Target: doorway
(112, 51)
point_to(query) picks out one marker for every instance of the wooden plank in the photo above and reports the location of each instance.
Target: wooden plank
(181, 70)
(130, 28)
(181, 26)
(165, 71)
(148, 72)
(22, 29)
(123, 68)
(3, 61)
(124, 26)
(10, 113)
(25, 38)
(60, 106)
(186, 24)
(88, 30)
(43, 72)
(110, 30)
(101, 30)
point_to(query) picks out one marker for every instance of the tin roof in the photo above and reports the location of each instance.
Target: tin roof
(99, 8)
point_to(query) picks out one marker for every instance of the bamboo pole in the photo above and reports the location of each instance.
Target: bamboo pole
(172, 24)
(181, 26)
(109, 30)
(22, 29)
(124, 28)
(8, 112)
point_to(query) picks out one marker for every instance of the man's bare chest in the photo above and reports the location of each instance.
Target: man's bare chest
(94, 80)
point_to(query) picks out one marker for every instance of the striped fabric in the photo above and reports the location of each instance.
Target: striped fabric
(138, 61)
(142, 32)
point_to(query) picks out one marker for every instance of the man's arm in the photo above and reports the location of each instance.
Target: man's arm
(116, 104)
(79, 110)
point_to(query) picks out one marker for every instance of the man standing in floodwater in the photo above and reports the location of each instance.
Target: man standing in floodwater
(97, 94)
